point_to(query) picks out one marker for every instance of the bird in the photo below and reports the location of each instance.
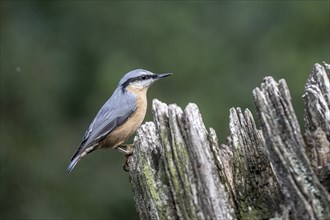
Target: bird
(119, 117)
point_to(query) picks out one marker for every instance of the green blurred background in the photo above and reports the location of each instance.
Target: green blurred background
(61, 60)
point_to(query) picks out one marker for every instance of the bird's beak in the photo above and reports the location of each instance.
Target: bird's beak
(162, 75)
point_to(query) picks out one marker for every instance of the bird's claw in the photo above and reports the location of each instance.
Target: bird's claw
(125, 165)
(127, 150)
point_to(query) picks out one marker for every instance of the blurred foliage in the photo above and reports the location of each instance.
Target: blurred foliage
(60, 61)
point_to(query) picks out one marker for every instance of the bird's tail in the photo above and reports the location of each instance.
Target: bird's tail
(80, 153)
(73, 163)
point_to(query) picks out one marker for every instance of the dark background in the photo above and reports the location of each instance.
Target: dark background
(61, 60)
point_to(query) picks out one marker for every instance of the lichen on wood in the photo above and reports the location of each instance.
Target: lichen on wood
(317, 121)
(180, 171)
(304, 196)
(184, 171)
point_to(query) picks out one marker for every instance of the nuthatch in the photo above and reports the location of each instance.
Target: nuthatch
(119, 117)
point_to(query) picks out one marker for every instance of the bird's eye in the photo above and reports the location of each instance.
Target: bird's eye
(143, 77)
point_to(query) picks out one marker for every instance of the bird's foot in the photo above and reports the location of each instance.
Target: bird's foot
(127, 150)
(125, 165)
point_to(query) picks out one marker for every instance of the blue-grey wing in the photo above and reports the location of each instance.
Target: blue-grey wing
(113, 113)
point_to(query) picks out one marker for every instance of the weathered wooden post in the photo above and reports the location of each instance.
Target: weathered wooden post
(179, 171)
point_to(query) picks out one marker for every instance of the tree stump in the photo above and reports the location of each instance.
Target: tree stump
(179, 171)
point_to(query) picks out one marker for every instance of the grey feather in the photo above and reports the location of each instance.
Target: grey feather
(119, 107)
(113, 113)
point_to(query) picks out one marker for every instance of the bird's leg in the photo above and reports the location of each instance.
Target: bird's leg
(127, 150)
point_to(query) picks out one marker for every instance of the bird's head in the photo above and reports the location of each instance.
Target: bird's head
(140, 79)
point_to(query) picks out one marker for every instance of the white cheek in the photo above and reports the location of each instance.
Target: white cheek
(148, 83)
(141, 85)
(136, 86)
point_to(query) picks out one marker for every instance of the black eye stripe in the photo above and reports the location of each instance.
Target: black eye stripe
(138, 78)
(144, 77)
